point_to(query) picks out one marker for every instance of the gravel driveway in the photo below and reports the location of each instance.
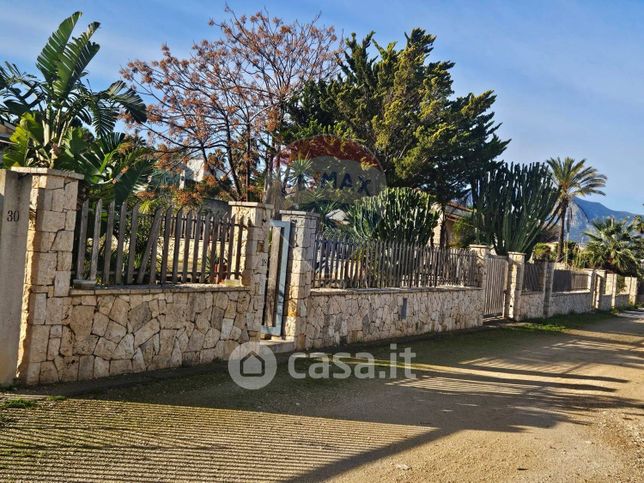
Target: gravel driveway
(560, 402)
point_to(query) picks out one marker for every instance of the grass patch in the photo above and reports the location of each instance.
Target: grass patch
(541, 327)
(56, 398)
(18, 403)
(560, 323)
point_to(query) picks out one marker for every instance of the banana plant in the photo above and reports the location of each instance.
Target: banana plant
(47, 111)
(513, 205)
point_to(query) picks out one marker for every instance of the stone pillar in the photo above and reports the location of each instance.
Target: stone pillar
(611, 288)
(632, 290)
(48, 265)
(516, 269)
(300, 269)
(548, 279)
(15, 190)
(592, 287)
(254, 258)
(599, 288)
(482, 253)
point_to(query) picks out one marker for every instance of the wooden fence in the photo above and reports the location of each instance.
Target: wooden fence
(622, 288)
(346, 263)
(533, 277)
(127, 247)
(570, 281)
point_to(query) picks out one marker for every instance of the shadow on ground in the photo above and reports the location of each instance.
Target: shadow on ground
(204, 427)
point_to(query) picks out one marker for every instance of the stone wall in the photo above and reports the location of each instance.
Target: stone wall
(531, 305)
(621, 301)
(339, 316)
(68, 334)
(562, 303)
(605, 302)
(107, 332)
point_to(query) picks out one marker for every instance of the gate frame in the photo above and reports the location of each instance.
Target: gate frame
(490, 285)
(273, 320)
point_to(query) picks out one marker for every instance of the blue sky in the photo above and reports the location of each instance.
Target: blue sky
(569, 75)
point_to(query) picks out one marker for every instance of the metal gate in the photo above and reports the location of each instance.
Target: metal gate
(495, 288)
(275, 298)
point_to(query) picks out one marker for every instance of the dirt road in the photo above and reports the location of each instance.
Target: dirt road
(531, 403)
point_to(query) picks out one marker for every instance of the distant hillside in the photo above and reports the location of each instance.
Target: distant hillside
(584, 212)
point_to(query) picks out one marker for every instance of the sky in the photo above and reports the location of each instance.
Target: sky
(568, 75)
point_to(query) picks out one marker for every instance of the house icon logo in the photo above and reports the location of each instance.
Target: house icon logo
(252, 365)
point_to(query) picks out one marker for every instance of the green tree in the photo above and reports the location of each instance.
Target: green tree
(612, 246)
(60, 122)
(401, 107)
(573, 179)
(513, 206)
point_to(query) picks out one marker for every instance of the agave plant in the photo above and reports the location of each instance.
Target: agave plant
(55, 116)
(395, 214)
(513, 205)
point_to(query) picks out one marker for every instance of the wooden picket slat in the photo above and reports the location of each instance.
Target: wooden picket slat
(82, 242)
(195, 249)
(118, 269)
(150, 247)
(131, 256)
(231, 237)
(240, 231)
(96, 239)
(107, 247)
(177, 244)
(204, 248)
(187, 234)
(165, 252)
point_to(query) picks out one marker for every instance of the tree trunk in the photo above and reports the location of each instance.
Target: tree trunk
(443, 232)
(562, 232)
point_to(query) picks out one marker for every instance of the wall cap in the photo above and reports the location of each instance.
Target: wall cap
(155, 289)
(392, 290)
(48, 172)
(250, 204)
(303, 214)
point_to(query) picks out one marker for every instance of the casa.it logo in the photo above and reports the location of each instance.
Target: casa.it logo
(252, 365)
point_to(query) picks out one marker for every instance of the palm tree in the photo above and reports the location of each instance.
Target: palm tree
(573, 178)
(52, 115)
(612, 246)
(638, 224)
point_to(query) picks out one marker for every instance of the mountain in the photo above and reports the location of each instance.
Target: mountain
(585, 212)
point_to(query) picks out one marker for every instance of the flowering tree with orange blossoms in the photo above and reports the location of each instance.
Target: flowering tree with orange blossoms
(225, 103)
